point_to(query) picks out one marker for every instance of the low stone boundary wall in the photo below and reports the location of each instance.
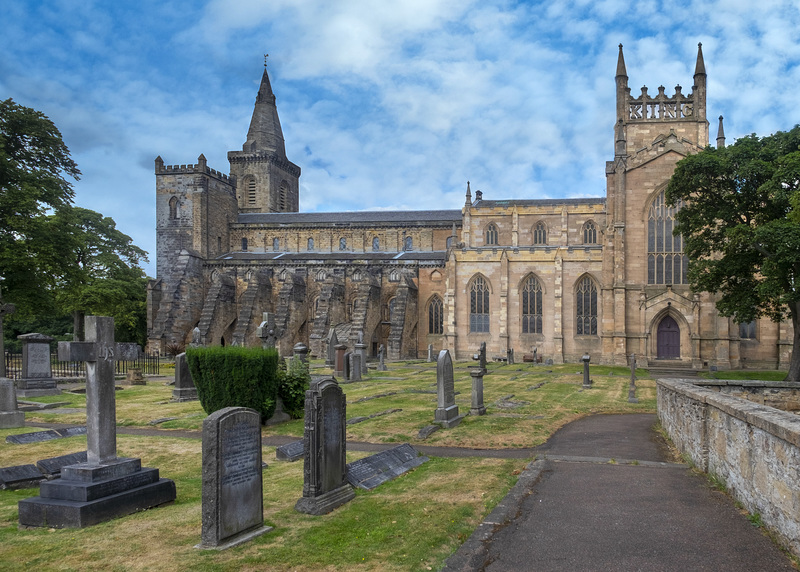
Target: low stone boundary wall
(755, 449)
(784, 395)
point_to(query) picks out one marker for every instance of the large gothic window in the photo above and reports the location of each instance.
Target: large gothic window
(586, 307)
(491, 234)
(436, 316)
(531, 306)
(666, 263)
(540, 233)
(479, 305)
(590, 233)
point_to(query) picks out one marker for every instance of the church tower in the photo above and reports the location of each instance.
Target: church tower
(266, 181)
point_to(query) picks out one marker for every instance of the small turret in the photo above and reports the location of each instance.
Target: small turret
(469, 196)
(622, 85)
(699, 87)
(720, 135)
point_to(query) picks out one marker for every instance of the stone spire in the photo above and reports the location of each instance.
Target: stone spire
(623, 92)
(469, 195)
(720, 135)
(621, 70)
(700, 66)
(265, 132)
(699, 88)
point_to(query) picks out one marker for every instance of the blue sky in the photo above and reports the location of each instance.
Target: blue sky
(384, 104)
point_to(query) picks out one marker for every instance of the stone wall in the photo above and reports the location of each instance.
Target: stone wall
(753, 448)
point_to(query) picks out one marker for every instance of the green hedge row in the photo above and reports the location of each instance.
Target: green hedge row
(234, 376)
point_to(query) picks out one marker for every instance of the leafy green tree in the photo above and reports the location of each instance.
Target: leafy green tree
(58, 259)
(741, 228)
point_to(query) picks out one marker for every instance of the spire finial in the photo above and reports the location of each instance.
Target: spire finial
(265, 60)
(700, 67)
(720, 135)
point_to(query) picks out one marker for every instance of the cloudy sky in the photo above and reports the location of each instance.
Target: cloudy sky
(385, 104)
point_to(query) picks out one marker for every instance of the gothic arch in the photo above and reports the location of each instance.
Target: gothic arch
(539, 232)
(586, 292)
(666, 262)
(685, 332)
(589, 232)
(492, 235)
(435, 313)
(531, 304)
(173, 208)
(479, 292)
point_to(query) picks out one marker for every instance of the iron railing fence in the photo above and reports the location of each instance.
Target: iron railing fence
(149, 364)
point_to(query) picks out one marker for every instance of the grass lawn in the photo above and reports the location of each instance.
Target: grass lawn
(412, 523)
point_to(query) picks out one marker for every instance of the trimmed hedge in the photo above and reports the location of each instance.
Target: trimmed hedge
(235, 377)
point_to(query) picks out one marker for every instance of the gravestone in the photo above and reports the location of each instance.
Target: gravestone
(35, 437)
(325, 485)
(446, 413)
(106, 486)
(184, 389)
(510, 356)
(4, 310)
(339, 366)
(266, 331)
(197, 338)
(330, 350)
(381, 358)
(372, 471)
(20, 477)
(300, 351)
(291, 452)
(478, 407)
(361, 351)
(482, 357)
(10, 415)
(51, 468)
(37, 374)
(430, 353)
(587, 382)
(233, 510)
(348, 366)
(134, 377)
(355, 367)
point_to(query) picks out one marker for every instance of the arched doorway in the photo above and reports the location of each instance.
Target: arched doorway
(669, 339)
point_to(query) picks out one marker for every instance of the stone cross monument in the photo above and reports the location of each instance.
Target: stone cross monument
(106, 486)
(266, 330)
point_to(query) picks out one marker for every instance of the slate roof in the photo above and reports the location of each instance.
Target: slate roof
(354, 217)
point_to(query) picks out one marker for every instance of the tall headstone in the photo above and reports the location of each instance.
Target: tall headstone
(37, 373)
(381, 358)
(10, 415)
(355, 367)
(233, 503)
(4, 309)
(478, 408)
(446, 413)
(482, 357)
(106, 486)
(340, 362)
(510, 356)
(587, 382)
(184, 389)
(266, 330)
(430, 353)
(632, 388)
(361, 350)
(333, 341)
(197, 338)
(325, 485)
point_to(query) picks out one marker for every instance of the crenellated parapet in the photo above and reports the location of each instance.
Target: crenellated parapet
(200, 168)
(245, 157)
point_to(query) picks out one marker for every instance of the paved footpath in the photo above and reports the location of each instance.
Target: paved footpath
(603, 496)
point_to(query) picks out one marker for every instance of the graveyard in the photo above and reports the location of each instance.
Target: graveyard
(412, 522)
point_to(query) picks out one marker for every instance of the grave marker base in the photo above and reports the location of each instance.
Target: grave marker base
(86, 495)
(326, 502)
(12, 419)
(37, 387)
(236, 539)
(180, 394)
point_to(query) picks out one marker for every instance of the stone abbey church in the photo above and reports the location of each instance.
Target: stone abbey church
(560, 276)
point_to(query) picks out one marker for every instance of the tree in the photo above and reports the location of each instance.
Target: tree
(741, 228)
(57, 258)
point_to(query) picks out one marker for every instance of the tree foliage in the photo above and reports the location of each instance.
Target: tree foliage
(741, 227)
(57, 258)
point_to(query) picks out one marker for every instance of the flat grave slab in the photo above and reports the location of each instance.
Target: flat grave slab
(51, 468)
(20, 477)
(372, 471)
(35, 437)
(291, 452)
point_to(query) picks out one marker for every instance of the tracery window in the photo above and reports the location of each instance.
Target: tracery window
(666, 263)
(491, 234)
(590, 233)
(436, 316)
(540, 233)
(747, 330)
(586, 307)
(531, 295)
(478, 305)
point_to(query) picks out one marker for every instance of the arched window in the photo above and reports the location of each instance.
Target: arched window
(310, 244)
(244, 244)
(586, 307)
(390, 308)
(478, 305)
(747, 330)
(394, 275)
(250, 191)
(283, 193)
(343, 243)
(357, 276)
(376, 243)
(321, 275)
(531, 295)
(540, 233)
(491, 234)
(666, 263)
(436, 316)
(408, 243)
(590, 233)
(276, 243)
(173, 208)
